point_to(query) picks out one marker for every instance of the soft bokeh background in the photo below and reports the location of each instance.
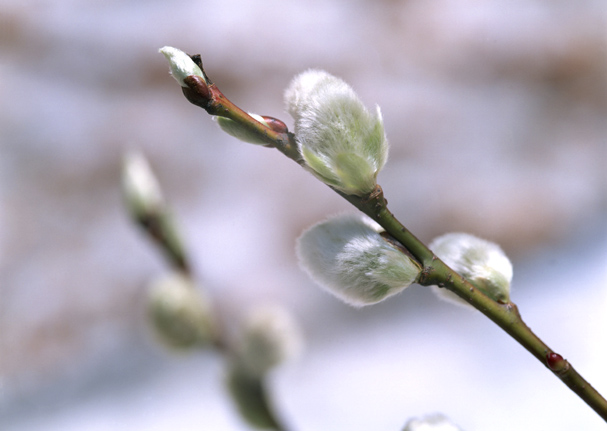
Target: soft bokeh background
(496, 113)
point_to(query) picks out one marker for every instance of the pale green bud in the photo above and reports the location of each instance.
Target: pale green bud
(238, 131)
(250, 396)
(348, 257)
(268, 337)
(431, 423)
(140, 188)
(144, 201)
(481, 262)
(179, 314)
(341, 142)
(181, 64)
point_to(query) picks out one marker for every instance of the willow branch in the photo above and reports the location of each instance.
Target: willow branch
(205, 94)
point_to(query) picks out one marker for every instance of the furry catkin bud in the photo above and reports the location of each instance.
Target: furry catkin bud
(144, 201)
(268, 337)
(181, 64)
(481, 262)
(179, 314)
(341, 142)
(140, 188)
(348, 257)
(431, 423)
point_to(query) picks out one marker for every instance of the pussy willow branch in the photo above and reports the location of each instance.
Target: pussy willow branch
(435, 271)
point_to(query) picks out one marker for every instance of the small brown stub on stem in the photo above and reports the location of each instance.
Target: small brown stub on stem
(554, 361)
(275, 124)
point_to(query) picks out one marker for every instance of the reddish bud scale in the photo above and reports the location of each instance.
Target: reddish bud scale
(197, 92)
(275, 124)
(555, 361)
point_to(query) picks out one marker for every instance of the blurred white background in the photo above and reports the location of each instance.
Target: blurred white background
(497, 117)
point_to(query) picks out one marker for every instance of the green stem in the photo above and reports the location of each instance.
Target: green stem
(205, 94)
(435, 271)
(506, 316)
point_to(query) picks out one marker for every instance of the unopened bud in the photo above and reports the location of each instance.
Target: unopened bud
(481, 262)
(179, 314)
(341, 142)
(275, 124)
(181, 64)
(348, 257)
(140, 188)
(268, 337)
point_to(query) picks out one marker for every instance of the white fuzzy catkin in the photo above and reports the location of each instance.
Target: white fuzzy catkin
(181, 64)
(269, 336)
(348, 257)
(139, 185)
(179, 314)
(341, 142)
(482, 263)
